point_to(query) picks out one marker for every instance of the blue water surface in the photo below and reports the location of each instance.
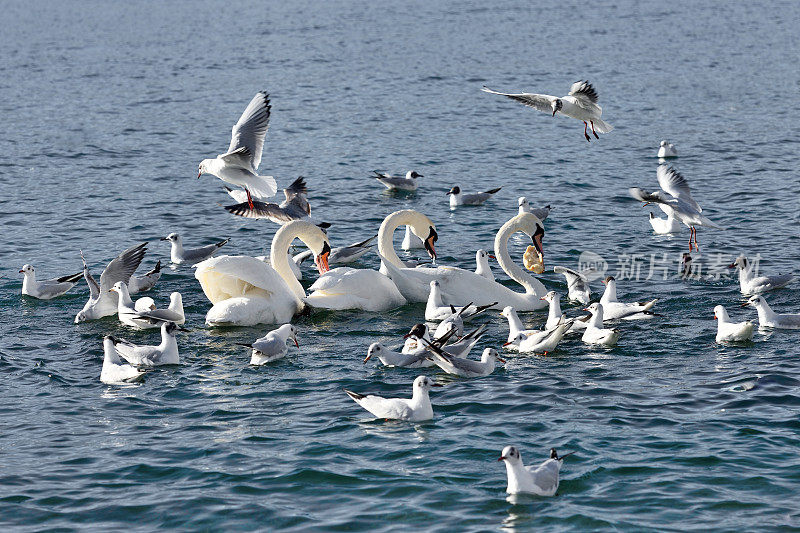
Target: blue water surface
(108, 107)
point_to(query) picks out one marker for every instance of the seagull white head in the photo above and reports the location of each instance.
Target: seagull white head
(292, 333)
(412, 174)
(375, 349)
(172, 237)
(720, 313)
(204, 167)
(491, 353)
(119, 287)
(507, 310)
(27, 270)
(755, 301)
(510, 454)
(455, 191)
(550, 296)
(522, 201)
(423, 384)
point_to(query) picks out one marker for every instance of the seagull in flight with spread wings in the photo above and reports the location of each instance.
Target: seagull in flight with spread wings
(238, 165)
(675, 199)
(580, 104)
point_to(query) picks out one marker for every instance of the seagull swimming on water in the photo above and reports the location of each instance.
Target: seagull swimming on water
(675, 199)
(165, 353)
(238, 165)
(580, 104)
(179, 254)
(541, 480)
(417, 409)
(458, 198)
(409, 183)
(48, 288)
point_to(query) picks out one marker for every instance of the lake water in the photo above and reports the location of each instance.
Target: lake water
(109, 107)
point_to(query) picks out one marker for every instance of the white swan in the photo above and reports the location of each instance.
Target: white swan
(460, 286)
(246, 291)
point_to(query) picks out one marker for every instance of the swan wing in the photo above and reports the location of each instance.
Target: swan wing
(230, 276)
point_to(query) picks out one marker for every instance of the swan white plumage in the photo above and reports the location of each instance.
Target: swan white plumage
(246, 291)
(459, 286)
(354, 288)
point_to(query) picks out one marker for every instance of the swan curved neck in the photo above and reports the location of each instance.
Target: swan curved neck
(278, 254)
(386, 232)
(531, 284)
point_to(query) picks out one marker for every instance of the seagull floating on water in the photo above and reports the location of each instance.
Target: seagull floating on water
(580, 104)
(435, 310)
(143, 314)
(666, 150)
(728, 331)
(595, 333)
(238, 165)
(408, 183)
(458, 198)
(273, 345)
(675, 199)
(165, 353)
(541, 342)
(46, 289)
(115, 371)
(614, 309)
(465, 368)
(541, 480)
(482, 267)
(749, 283)
(179, 254)
(388, 357)
(417, 409)
(767, 318)
(525, 207)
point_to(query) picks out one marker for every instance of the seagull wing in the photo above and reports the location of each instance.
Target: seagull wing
(672, 182)
(542, 102)
(584, 93)
(260, 210)
(122, 267)
(545, 476)
(247, 135)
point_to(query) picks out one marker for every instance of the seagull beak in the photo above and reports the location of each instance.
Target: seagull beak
(199, 174)
(585, 309)
(507, 343)
(501, 360)
(646, 204)
(715, 317)
(542, 298)
(21, 272)
(436, 385)
(745, 304)
(503, 458)
(492, 257)
(295, 342)
(732, 265)
(367, 358)
(163, 239)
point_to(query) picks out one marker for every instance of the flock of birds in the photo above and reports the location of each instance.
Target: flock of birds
(267, 290)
